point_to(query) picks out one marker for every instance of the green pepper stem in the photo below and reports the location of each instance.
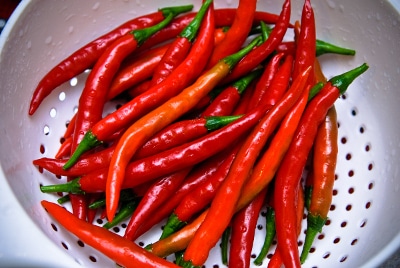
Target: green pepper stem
(314, 226)
(307, 196)
(124, 213)
(216, 122)
(245, 81)
(126, 196)
(142, 35)
(323, 47)
(269, 236)
(173, 224)
(63, 199)
(190, 31)
(233, 59)
(69, 187)
(315, 89)
(88, 142)
(343, 81)
(224, 244)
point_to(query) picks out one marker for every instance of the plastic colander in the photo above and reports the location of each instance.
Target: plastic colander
(363, 227)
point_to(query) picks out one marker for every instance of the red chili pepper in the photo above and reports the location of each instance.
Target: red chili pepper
(65, 149)
(237, 33)
(120, 250)
(86, 56)
(243, 230)
(180, 47)
(198, 198)
(260, 53)
(280, 82)
(226, 17)
(136, 70)
(173, 135)
(306, 42)
(324, 167)
(157, 194)
(198, 175)
(145, 127)
(289, 173)
(266, 79)
(182, 76)
(224, 202)
(181, 132)
(226, 101)
(139, 89)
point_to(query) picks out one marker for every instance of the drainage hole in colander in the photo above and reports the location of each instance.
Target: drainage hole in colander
(46, 130)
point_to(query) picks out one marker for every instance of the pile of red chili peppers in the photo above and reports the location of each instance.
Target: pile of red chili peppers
(221, 116)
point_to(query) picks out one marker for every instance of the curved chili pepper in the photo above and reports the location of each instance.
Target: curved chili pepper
(157, 194)
(120, 250)
(166, 162)
(180, 47)
(225, 102)
(289, 173)
(243, 230)
(280, 82)
(210, 230)
(266, 78)
(65, 149)
(199, 197)
(237, 33)
(86, 56)
(198, 175)
(181, 132)
(260, 53)
(182, 76)
(173, 135)
(155, 120)
(136, 70)
(324, 164)
(306, 42)
(93, 96)
(226, 17)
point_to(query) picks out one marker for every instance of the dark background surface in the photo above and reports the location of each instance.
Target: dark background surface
(8, 6)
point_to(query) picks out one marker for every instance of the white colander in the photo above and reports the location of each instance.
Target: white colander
(363, 227)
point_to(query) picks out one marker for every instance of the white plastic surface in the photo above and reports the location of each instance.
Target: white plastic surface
(363, 227)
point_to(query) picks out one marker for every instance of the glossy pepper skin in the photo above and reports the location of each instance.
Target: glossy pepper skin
(182, 76)
(86, 57)
(158, 118)
(180, 47)
(122, 251)
(259, 54)
(237, 32)
(289, 173)
(324, 167)
(244, 225)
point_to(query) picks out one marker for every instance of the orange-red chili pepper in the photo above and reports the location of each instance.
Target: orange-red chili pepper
(120, 250)
(324, 166)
